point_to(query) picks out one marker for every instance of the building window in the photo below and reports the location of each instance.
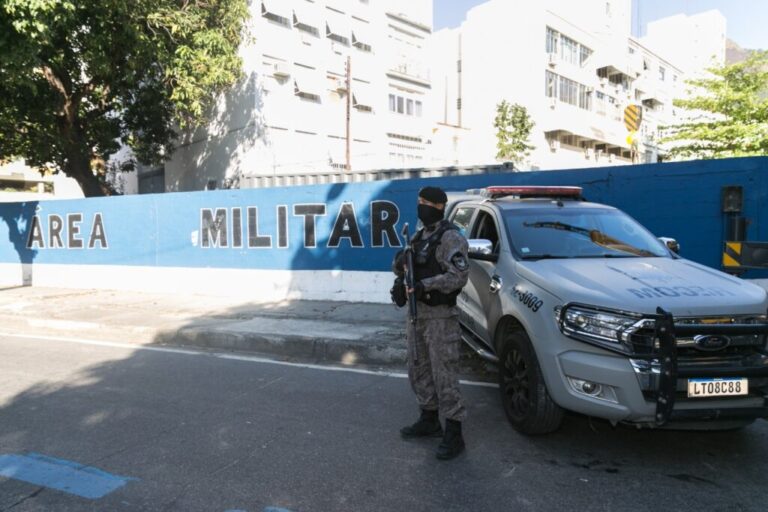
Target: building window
(335, 36)
(363, 47)
(584, 54)
(550, 84)
(407, 106)
(300, 24)
(552, 38)
(568, 49)
(568, 91)
(662, 72)
(274, 16)
(585, 97)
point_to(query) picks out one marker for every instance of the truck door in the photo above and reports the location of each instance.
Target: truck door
(482, 290)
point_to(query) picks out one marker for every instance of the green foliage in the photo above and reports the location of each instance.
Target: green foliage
(728, 117)
(513, 129)
(79, 77)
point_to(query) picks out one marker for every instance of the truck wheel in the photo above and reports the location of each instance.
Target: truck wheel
(527, 404)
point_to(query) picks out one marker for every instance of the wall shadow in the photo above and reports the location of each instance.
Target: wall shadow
(18, 219)
(216, 155)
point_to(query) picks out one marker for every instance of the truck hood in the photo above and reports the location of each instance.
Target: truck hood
(640, 285)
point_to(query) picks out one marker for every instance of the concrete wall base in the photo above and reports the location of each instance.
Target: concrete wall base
(252, 284)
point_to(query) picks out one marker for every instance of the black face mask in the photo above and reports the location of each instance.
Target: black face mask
(429, 214)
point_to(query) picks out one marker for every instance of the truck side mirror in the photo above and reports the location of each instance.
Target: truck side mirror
(671, 244)
(481, 249)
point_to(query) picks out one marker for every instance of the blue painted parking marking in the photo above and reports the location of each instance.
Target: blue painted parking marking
(61, 475)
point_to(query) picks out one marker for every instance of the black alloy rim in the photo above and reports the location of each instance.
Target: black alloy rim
(516, 384)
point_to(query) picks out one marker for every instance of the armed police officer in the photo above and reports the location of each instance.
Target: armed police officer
(440, 272)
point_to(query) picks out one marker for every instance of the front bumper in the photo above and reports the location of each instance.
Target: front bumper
(673, 368)
(651, 389)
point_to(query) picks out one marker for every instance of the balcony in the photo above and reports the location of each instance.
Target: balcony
(410, 71)
(585, 128)
(616, 67)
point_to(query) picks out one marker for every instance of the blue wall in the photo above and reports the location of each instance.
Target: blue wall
(681, 200)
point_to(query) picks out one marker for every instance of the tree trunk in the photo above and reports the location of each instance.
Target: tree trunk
(90, 184)
(78, 154)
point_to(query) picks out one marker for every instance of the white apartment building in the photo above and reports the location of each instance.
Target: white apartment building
(290, 113)
(573, 65)
(694, 43)
(18, 182)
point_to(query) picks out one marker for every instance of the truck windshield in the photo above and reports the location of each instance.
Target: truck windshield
(579, 233)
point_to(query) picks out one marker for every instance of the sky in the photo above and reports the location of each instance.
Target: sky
(746, 18)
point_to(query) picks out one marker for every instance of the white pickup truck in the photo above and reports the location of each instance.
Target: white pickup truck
(585, 310)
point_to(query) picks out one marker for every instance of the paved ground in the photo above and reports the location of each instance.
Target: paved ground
(200, 432)
(336, 332)
(342, 333)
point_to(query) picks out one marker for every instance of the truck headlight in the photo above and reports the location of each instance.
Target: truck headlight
(611, 329)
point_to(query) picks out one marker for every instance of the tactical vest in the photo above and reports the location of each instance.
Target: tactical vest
(426, 264)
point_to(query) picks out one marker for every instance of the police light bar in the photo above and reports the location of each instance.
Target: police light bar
(532, 191)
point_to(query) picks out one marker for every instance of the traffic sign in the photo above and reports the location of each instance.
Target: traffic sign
(633, 116)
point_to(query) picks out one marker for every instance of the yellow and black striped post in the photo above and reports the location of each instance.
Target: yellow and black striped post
(732, 255)
(633, 116)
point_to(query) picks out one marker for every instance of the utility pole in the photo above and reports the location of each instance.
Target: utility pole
(459, 100)
(349, 112)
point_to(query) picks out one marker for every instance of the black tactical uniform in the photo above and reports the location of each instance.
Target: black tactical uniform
(441, 270)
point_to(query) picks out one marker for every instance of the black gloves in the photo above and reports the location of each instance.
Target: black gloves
(418, 290)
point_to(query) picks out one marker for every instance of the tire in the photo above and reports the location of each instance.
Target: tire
(524, 396)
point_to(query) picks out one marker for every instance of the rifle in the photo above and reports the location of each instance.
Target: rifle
(409, 282)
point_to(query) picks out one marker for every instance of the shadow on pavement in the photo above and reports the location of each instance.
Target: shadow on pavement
(205, 432)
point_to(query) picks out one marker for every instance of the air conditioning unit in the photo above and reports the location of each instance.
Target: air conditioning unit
(611, 157)
(552, 59)
(554, 145)
(603, 81)
(340, 85)
(589, 153)
(552, 102)
(281, 70)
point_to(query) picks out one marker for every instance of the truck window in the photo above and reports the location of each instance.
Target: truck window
(461, 217)
(485, 228)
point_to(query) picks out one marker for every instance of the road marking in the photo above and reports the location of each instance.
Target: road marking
(229, 356)
(61, 475)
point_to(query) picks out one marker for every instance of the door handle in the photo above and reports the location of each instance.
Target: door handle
(496, 283)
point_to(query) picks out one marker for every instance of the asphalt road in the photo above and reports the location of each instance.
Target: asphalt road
(197, 432)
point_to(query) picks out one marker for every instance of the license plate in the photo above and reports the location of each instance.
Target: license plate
(698, 388)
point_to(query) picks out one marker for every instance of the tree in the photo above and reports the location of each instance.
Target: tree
(727, 117)
(78, 78)
(513, 129)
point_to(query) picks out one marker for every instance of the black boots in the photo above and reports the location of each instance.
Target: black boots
(452, 443)
(428, 425)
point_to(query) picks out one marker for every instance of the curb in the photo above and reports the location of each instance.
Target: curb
(388, 350)
(385, 348)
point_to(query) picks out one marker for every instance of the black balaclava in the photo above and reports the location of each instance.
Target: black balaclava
(429, 215)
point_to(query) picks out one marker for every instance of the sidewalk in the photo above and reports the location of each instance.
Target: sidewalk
(331, 332)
